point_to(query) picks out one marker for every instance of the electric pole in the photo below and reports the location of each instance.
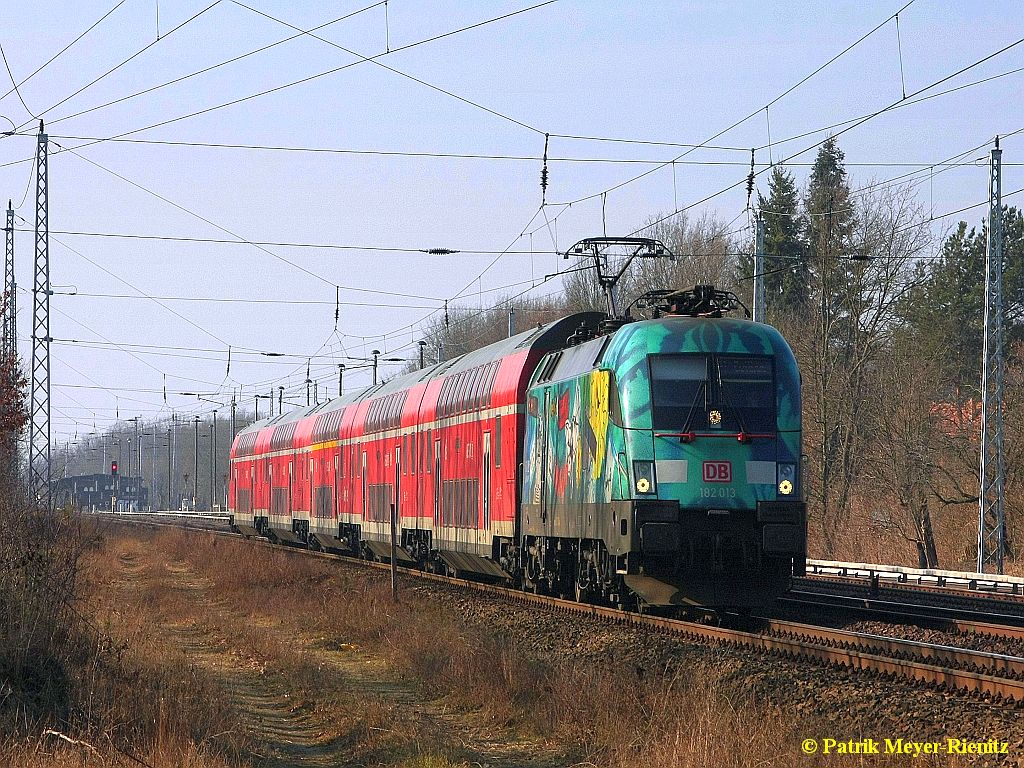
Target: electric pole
(10, 341)
(174, 460)
(759, 272)
(213, 460)
(39, 434)
(195, 473)
(170, 468)
(341, 373)
(991, 492)
(10, 332)
(376, 354)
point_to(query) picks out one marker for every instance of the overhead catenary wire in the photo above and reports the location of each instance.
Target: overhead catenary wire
(62, 51)
(525, 158)
(118, 66)
(212, 67)
(362, 60)
(860, 122)
(755, 112)
(14, 82)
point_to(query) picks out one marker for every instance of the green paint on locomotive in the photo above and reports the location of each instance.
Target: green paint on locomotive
(584, 432)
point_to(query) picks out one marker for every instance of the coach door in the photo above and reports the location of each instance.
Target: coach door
(397, 500)
(337, 465)
(438, 487)
(363, 475)
(485, 483)
(291, 490)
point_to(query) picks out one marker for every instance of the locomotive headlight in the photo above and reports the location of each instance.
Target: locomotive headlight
(787, 478)
(643, 477)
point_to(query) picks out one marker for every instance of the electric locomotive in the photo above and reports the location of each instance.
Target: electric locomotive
(662, 462)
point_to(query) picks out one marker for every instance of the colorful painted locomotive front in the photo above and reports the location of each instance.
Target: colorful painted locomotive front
(663, 460)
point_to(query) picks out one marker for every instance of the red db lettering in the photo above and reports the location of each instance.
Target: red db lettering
(717, 472)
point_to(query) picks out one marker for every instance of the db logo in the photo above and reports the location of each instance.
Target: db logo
(717, 472)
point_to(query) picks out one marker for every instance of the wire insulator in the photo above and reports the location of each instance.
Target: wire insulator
(750, 178)
(544, 173)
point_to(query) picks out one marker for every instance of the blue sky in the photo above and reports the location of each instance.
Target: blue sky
(658, 71)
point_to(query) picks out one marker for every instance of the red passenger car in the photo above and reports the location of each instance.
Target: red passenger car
(443, 444)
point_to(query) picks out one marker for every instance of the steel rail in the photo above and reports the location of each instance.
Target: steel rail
(924, 596)
(1005, 626)
(787, 639)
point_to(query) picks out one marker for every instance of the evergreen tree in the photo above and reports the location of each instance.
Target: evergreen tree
(787, 277)
(834, 389)
(948, 304)
(830, 215)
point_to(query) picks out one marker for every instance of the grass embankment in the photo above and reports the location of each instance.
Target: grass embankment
(609, 714)
(70, 689)
(209, 652)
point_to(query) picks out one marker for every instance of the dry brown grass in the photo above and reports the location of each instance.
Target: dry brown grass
(602, 716)
(69, 669)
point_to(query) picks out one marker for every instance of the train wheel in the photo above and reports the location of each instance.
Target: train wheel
(582, 593)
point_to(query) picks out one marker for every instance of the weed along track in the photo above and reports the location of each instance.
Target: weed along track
(302, 697)
(321, 667)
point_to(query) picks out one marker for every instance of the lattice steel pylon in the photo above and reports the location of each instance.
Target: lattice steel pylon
(991, 514)
(10, 340)
(39, 435)
(9, 344)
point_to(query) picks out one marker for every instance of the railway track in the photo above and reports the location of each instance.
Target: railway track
(961, 670)
(960, 621)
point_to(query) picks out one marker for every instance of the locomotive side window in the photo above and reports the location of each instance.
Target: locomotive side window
(679, 392)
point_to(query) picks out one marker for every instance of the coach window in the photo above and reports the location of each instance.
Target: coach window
(466, 390)
(442, 397)
(430, 451)
(460, 381)
(488, 389)
(412, 454)
(497, 440)
(405, 452)
(478, 387)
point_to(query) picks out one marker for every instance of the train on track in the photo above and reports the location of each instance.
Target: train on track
(638, 463)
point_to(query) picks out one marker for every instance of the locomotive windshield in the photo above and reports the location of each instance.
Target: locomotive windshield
(731, 393)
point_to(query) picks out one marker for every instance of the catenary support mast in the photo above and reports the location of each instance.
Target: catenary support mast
(39, 436)
(759, 272)
(991, 514)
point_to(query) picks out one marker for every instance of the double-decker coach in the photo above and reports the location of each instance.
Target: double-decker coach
(443, 444)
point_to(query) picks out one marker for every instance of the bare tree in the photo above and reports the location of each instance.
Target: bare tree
(858, 287)
(906, 446)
